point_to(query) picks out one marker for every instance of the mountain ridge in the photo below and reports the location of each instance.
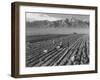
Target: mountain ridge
(66, 23)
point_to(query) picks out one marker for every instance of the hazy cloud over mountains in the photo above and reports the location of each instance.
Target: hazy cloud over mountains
(30, 17)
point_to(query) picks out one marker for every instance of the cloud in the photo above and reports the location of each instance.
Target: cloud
(36, 16)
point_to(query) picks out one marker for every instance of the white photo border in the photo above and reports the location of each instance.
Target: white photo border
(40, 70)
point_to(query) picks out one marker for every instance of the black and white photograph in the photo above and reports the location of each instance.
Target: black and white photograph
(54, 39)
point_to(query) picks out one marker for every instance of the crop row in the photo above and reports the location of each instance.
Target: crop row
(74, 50)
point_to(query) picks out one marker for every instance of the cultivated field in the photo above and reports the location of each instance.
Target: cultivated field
(57, 50)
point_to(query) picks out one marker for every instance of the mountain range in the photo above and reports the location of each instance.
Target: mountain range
(66, 23)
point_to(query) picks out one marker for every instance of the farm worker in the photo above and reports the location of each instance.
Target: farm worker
(45, 51)
(53, 41)
(59, 46)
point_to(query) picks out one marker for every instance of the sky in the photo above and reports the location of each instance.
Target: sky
(30, 17)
